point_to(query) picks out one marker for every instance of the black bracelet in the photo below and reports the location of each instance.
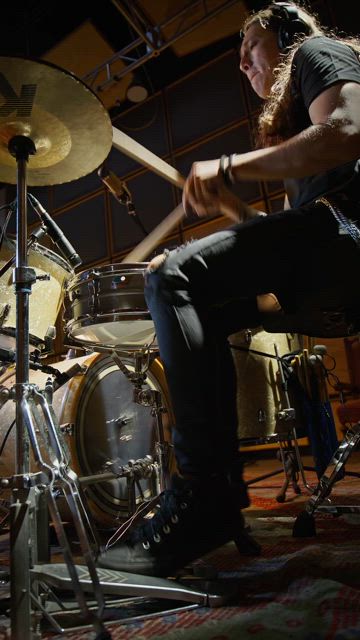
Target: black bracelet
(225, 169)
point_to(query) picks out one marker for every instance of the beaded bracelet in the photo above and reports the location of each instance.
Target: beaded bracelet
(225, 169)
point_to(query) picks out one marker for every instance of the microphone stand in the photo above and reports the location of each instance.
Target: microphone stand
(131, 211)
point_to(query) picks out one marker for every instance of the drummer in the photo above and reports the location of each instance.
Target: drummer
(199, 294)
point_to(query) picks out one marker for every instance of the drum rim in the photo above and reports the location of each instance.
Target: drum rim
(131, 268)
(117, 316)
(45, 251)
(52, 255)
(89, 321)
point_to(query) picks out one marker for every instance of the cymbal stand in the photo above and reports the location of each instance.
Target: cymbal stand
(25, 485)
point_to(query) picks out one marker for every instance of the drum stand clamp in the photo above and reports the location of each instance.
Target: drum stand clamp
(148, 397)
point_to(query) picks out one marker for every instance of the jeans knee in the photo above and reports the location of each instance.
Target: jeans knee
(155, 286)
(165, 282)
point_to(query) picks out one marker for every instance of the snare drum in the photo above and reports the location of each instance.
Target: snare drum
(105, 306)
(260, 396)
(45, 299)
(101, 423)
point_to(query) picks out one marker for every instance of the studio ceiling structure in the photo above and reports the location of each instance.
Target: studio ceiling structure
(114, 41)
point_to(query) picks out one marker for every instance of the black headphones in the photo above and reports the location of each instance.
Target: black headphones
(290, 23)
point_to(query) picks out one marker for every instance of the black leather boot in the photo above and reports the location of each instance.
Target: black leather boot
(191, 519)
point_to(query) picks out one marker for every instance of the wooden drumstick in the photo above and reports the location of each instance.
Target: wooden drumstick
(124, 143)
(136, 151)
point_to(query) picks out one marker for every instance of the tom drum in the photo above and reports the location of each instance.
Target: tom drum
(100, 422)
(46, 295)
(260, 396)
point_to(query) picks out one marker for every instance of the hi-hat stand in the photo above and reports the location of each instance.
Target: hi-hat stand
(33, 415)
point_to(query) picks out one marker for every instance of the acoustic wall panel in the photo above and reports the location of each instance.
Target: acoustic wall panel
(153, 198)
(84, 226)
(206, 101)
(235, 140)
(65, 193)
(276, 204)
(146, 124)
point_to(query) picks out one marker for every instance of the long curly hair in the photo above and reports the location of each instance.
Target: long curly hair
(275, 122)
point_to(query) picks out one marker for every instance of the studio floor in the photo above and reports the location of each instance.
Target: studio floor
(303, 588)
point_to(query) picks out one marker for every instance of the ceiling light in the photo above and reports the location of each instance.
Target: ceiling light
(136, 91)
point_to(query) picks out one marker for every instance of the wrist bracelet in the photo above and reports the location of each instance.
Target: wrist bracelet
(225, 169)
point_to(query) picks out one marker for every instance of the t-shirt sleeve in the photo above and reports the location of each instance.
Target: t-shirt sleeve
(322, 62)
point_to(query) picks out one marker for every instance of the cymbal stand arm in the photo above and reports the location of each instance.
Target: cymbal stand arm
(22, 529)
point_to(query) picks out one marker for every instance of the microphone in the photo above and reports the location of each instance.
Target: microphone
(118, 188)
(55, 233)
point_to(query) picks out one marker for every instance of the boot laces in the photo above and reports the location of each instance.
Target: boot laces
(170, 504)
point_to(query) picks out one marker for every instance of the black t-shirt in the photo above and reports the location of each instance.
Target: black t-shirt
(319, 63)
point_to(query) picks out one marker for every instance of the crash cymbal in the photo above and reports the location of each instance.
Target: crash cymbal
(67, 122)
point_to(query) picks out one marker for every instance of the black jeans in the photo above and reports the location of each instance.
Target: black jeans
(206, 290)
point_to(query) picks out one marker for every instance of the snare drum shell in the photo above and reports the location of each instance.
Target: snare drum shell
(105, 307)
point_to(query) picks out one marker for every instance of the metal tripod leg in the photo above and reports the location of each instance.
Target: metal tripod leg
(291, 464)
(304, 525)
(56, 470)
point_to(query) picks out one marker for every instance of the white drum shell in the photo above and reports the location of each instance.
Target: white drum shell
(46, 296)
(260, 396)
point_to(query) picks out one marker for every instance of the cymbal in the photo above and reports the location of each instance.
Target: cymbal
(67, 122)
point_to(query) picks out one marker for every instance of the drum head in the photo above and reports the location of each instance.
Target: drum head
(102, 424)
(108, 430)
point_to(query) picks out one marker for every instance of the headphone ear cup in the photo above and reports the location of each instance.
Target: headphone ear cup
(283, 37)
(290, 25)
(287, 32)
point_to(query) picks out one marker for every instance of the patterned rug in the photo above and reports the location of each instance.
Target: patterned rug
(298, 588)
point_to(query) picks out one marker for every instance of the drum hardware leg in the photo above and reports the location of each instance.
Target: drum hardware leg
(138, 376)
(54, 474)
(288, 414)
(288, 459)
(289, 451)
(305, 523)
